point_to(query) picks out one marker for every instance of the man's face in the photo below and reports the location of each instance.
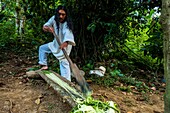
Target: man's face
(62, 15)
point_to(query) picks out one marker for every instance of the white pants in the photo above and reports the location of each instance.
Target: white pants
(64, 64)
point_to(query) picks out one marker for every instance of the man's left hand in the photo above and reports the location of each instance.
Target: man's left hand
(63, 45)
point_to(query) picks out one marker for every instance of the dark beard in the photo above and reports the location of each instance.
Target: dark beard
(61, 20)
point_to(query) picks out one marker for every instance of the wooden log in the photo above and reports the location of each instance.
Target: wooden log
(32, 74)
(66, 89)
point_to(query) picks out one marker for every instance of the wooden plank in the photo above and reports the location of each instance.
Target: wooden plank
(66, 89)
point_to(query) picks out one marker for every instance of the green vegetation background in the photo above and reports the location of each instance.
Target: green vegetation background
(121, 35)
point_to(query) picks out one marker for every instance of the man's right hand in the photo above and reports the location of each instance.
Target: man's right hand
(48, 29)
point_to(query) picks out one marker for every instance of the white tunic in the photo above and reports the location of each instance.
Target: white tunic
(64, 35)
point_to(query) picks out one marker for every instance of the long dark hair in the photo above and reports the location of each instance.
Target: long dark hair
(67, 19)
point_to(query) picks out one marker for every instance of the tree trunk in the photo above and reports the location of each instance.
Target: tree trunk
(20, 18)
(17, 9)
(165, 21)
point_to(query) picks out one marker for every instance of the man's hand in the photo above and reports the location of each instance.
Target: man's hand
(63, 45)
(48, 29)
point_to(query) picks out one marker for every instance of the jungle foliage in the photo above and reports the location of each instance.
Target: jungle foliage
(115, 32)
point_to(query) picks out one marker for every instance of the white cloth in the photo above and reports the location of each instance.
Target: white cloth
(64, 35)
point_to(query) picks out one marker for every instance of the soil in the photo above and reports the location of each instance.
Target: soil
(23, 95)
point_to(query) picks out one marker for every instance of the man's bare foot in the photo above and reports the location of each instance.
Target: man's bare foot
(44, 68)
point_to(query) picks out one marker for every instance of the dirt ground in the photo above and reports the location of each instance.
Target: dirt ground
(22, 95)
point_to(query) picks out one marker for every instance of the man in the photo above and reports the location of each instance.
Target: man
(62, 26)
